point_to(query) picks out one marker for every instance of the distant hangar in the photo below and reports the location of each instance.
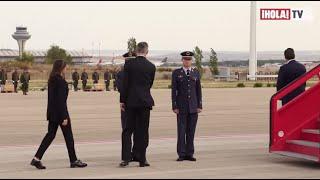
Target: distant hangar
(39, 56)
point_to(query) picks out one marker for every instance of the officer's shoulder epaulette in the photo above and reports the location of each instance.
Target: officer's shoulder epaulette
(195, 70)
(176, 70)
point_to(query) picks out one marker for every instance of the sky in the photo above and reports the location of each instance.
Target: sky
(167, 25)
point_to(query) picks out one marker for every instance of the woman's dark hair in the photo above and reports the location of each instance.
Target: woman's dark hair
(289, 54)
(57, 69)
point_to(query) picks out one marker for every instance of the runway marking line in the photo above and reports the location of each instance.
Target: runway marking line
(217, 137)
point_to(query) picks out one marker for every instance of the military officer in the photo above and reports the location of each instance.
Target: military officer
(75, 78)
(119, 83)
(3, 77)
(84, 79)
(15, 80)
(107, 79)
(114, 77)
(186, 104)
(24, 80)
(124, 117)
(95, 77)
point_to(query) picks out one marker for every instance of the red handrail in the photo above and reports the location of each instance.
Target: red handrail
(274, 111)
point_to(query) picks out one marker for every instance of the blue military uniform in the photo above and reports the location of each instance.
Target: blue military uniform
(187, 98)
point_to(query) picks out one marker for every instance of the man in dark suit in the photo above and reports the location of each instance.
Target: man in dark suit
(136, 100)
(289, 72)
(186, 104)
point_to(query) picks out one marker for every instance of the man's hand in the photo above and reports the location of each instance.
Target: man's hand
(122, 107)
(199, 110)
(65, 122)
(176, 111)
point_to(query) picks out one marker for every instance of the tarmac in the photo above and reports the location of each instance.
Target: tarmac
(231, 141)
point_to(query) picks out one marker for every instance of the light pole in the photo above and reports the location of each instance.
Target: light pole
(253, 41)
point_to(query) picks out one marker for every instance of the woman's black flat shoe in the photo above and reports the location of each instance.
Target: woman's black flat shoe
(78, 164)
(37, 164)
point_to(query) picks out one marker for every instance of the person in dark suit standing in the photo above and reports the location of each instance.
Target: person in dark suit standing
(84, 79)
(75, 78)
(2, 82)
(186, 104)
(114, 77)
(3, 77)
(289, 72)
(15, 80)
(95, 77)
(58, 115)
(107, 77)
(136, 100)
(24, 80)
(119, 84)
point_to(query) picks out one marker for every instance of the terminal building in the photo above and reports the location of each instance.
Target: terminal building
(78, 57)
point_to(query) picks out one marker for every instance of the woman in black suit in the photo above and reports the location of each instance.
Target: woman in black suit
(58, 115)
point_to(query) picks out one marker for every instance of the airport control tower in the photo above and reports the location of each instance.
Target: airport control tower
(21, 35)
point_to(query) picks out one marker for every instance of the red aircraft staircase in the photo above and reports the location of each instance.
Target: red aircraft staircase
(294, 127)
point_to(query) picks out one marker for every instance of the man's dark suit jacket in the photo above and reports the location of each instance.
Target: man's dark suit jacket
(138, 79)
(288, 73)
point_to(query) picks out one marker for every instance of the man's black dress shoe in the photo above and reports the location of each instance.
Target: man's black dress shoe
(180, 159)
(144, 164)
(190, 158)
(124, 164)
(37, 164)
(78, 164)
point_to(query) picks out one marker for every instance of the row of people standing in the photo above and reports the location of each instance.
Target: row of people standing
(24, 79)
(108, 76)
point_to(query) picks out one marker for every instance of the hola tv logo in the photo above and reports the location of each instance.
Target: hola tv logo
(287, 14)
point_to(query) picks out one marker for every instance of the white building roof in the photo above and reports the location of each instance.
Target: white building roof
(15, 53)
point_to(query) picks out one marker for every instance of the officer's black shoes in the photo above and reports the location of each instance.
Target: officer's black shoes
(78, 164)
(37, 164)
(190, 158)
(124, 164)
(180, 159)
(144, 164)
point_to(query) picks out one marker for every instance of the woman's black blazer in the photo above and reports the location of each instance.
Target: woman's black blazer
(58, 91)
